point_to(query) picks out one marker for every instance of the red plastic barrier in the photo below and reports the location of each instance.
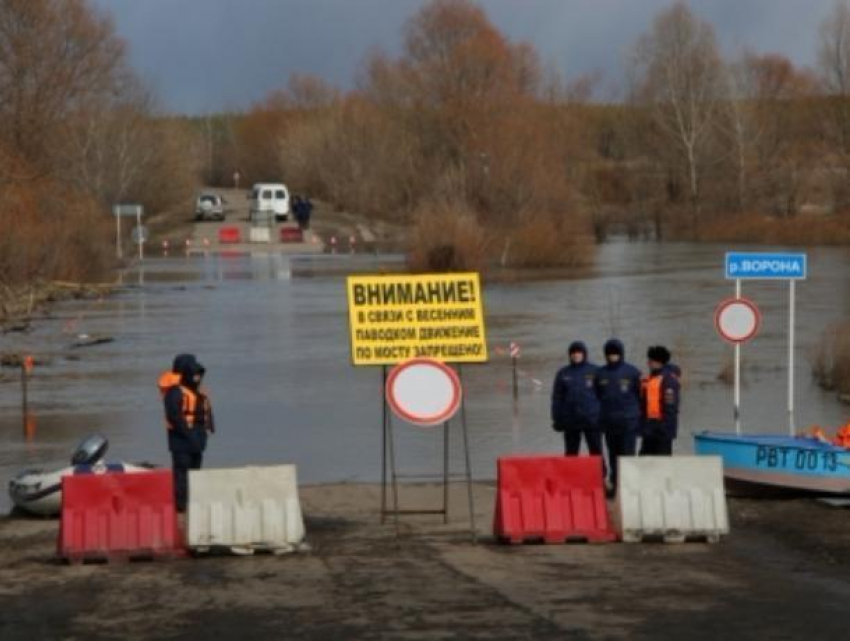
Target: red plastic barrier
(229, 235)
(554, 498)
(121, 515)
(291, 235)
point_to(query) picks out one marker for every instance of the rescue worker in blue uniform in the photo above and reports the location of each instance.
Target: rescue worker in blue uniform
(575, 407)
(618, 388)
(659, 404)
(188, 416)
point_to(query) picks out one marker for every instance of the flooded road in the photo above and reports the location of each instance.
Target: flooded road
(272, 333)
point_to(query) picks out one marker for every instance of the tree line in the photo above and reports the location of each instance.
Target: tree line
(78, 133)
(468, 137)
(468, 134)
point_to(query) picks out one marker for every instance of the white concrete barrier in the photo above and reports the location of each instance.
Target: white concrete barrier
(246, 509)
(674, 498)
(260, 235)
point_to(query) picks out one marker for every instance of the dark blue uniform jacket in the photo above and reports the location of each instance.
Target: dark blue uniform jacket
(618, 389)
(574, 402)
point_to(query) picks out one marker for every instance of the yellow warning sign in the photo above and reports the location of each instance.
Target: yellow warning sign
(396, 317)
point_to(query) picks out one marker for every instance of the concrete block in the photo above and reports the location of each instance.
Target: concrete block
(675, 498)
(248, 507)
(260, 235)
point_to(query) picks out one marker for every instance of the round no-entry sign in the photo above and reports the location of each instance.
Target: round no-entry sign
(423, 391)
(737, 319)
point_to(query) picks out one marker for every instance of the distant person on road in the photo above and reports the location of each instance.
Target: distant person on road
(298, 210)
(575, 407)
(659, 404)
(307, 205)
(618, 387)
(188, 416)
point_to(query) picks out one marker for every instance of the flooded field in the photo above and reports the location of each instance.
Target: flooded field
(272, 332)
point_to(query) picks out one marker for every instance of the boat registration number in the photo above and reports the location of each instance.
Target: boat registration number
(785, 457)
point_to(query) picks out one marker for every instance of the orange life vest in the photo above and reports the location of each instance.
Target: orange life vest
(842, 437)
(652, 397)
(166, 381)
(189, 408)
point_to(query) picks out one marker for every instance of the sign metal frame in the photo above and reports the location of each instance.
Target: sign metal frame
(790, 266)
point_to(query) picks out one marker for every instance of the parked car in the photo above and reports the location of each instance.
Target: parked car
(209, 206)
(268, 201)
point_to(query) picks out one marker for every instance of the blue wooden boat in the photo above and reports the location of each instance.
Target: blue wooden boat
(769, 462)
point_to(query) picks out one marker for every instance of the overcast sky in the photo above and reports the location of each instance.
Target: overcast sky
(209, 55)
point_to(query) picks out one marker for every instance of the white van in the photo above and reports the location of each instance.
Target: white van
(268, 200)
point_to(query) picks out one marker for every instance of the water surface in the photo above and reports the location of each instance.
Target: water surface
(272, 332)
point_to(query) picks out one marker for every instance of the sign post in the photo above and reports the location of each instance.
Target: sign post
(423, 322)
(119, 211)
(737, 320)
(771, 266)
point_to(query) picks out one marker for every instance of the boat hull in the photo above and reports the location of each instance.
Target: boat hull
(779, 463)
(40, 493)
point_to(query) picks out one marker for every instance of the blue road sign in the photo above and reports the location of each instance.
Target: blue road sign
(765, 266)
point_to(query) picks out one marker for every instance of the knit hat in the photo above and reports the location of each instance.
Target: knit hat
(658, 353)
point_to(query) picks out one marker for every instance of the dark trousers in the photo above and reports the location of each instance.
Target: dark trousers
(656, 445)
(181, 463)
(620, 443)
(593, 438)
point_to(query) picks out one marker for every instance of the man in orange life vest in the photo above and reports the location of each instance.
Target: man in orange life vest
(659, 404)
(188, 416)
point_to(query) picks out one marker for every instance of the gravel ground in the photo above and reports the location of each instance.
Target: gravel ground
(781, 574)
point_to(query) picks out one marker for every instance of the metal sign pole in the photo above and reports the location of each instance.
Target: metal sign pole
(393, 475)
(446, 472)
(24, 396)
(737, 374)
(384, 445)
(141, 237)
(467, 460)
(791, 305)
(118, 236)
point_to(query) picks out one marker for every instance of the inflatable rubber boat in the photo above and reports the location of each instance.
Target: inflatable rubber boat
(40, 492)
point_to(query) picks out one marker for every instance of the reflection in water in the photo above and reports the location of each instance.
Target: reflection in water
(30, 426)
(273, 334)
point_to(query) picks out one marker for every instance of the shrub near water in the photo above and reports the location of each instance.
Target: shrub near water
(831, 367)
(447, 238)
(450, 237)
(48, 232)
(799, 230)
(544, 240)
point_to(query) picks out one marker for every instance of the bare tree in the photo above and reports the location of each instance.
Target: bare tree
(110, 144)
(678, 75)
(55, 55)
(834, 66)
(765, 113)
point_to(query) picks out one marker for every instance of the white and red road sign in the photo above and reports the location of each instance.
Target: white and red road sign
(423, 391)
(737, 320)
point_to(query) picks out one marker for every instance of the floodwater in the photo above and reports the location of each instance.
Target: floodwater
(272, 333)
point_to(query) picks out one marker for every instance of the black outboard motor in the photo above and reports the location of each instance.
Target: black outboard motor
(90, 450)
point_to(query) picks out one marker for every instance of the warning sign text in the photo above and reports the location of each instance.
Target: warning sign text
(397, 317)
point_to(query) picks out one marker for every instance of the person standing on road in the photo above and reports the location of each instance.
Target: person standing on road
(308, 211)
(188, 415)
(298, 211)
(575, 407)
(618, 388)
(659, 404)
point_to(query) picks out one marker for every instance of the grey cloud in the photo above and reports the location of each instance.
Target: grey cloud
(209, 55)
